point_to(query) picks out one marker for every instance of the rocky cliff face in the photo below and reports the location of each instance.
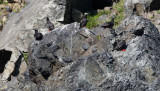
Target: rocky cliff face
(88, 63)
(73, 59)
(17, 33)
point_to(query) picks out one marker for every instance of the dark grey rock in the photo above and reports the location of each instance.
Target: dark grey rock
(99, 68)
(85, 46)
(83, 6)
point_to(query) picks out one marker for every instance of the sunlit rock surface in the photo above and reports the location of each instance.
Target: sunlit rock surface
(72, 67)
(17, 32)
(73, 59)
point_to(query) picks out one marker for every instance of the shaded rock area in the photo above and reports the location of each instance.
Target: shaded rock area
(13, 39)
(76, 60)
(73, 59)
(83, 6)
(4, 57)
(17, 32)
(155, 5)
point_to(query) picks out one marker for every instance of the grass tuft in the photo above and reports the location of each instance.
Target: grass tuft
(92, 18)
(1, 1)
(5, 2)
(158, 11)
(120, 13)
(25, 55)
(118, 9)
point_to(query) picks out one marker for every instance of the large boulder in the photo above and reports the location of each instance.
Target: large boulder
(80, 60)
(137, 6)
(17, 33)
(34, 15)
(74, 59)
(140, 7)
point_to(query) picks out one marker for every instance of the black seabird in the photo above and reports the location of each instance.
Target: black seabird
(139, 32)
(120, 45)
(108, 24)
(49, 24)
(37, 36)
(84, 21)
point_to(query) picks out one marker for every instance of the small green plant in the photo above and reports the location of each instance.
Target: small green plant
(120, 13)
(118, 10)
(158, 11)
(92, 21)
(92, 18)
(24, 5)
(16, 10)
(152, 17)
(0, 13)
(98, 37)
(1, 1)
(1, 22)
(119, 17)
(25, 55)
(6, 2)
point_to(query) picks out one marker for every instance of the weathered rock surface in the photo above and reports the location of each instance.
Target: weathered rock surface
(13, 39)
(140, 6)
(69, 59)
(77, 60)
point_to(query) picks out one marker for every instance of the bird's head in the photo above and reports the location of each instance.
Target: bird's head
(35, 29)
(85, 14)
(47, 18)
(113, 16)
(143, 26)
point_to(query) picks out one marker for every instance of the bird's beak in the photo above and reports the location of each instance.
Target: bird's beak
(34, 29)
(86, 13)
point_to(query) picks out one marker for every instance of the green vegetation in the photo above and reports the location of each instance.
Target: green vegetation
(92, 18)
(15, 10)
(98, 37)
(0, 13)
(24, 5)
(5, 2)
(1, 1)
(152, 17)
(120, 12)
(1, 22)
(158, 11)
(25, 55)
(118, 9)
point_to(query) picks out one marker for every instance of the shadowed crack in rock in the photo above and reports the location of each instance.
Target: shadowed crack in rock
(4, 58)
